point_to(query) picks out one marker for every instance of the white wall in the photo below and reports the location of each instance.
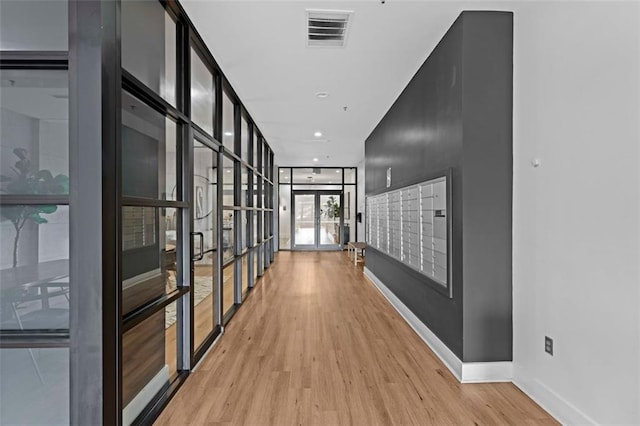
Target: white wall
(576, 217)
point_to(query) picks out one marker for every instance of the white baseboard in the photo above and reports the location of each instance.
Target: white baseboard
(137, 404)
(561, 409)
(465, 372)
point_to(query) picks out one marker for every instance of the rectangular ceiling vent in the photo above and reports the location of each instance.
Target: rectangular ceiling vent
(328, 28)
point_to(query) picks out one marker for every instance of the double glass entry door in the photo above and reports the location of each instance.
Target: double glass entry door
(317, 220)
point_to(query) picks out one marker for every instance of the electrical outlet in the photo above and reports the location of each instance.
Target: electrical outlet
(548, 345)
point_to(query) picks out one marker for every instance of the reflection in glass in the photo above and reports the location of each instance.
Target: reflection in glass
(284, 175)
(350, 175)
(244, 139)
(254, 241)
(227, 235)
(228, 277)
(149, 259)
(149, 151)
(227, 122)
(244, 188)
(34, 267)
(254, 255)
(317, 187)
(227, 181)
(349, 214)
(34, 135)
(285, 216)
(245, 274)
(257, 140)
(316, 175)
(243, 230)
(202, 94)
(149, 359)
(330, 213)
(149, 46)
(205, 222)
(19, 20)
(33, 381)
(305, 219)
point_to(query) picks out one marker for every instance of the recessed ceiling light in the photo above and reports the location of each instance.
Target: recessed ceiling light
(322, 95)
(337, 171)
(228, 134)
(313, 173)
(315, 159)
(228, 171)
(317, 134)
(281, 171)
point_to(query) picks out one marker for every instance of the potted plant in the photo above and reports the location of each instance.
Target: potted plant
(332, 211)
(26, 180)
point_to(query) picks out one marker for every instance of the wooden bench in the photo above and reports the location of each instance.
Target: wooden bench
(355, 247)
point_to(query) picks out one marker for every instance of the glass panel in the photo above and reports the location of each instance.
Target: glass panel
(205, 179)
(349, 230)
(227, 181)
(305, 219)
(149, 151)
(284, 176)
(254, 241)
(227, 235)
(203, 297)
(34, 386)
(317, 175)
(259, 153)
(244, 140)
(227, 122)
(318, 187)
(33, 25)
(34, 267)
(284, 216)
(243, 230)
(228, 276)
(268, 200)
(149, 46)
(265, 161)
(202, 94)
(245, 273)
(149, 359)
(244, 188)
(34, 135)
(205, 216)
(255, 254)
(350, 175)
(149, 259)
(256, 142)
(329, 219)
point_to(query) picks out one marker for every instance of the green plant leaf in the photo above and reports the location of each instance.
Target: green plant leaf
(44, 175)
(48, 209)
(37, 219)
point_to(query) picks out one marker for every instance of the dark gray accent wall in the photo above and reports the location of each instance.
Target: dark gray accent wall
(456, 113)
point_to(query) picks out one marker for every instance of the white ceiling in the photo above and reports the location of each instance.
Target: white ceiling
(261, 48)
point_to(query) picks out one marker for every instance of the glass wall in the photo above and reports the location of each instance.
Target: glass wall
(34, 215)
(184, 229)
(315, 179)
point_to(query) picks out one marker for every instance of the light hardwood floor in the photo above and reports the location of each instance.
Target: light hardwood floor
(316, 344)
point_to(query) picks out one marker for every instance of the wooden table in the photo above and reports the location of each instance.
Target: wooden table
(40, 275)
(354, 247)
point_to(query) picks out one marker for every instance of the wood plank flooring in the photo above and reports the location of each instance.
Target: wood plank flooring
(316, 344)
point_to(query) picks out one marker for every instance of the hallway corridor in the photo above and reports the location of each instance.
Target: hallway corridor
(316, 343)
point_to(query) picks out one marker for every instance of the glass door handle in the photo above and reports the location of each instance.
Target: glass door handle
(201, 255)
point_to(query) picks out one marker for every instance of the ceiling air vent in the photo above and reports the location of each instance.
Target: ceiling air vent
(328, 28)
